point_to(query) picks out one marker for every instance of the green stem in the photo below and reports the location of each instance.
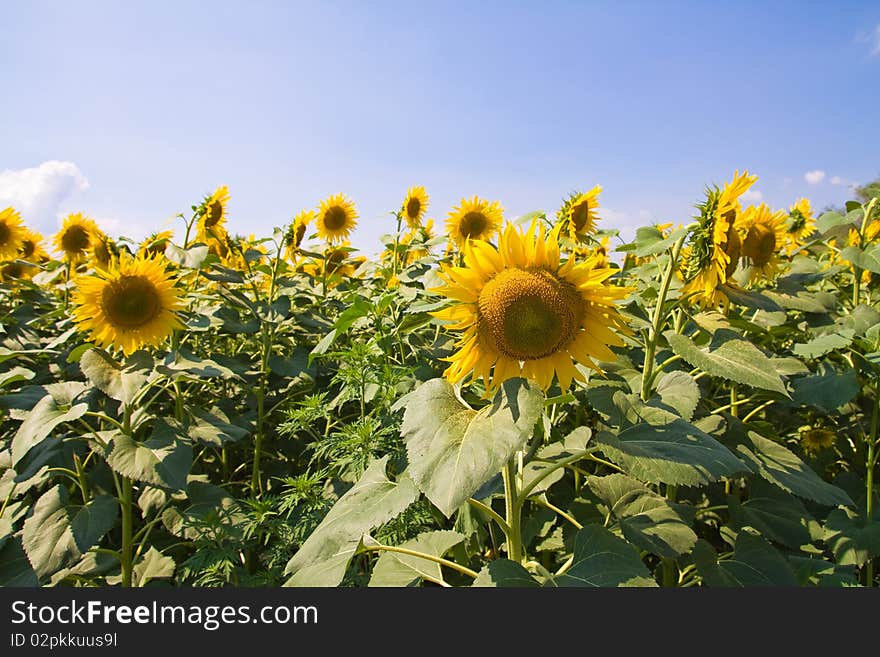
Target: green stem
(490, 512)
(659, 316)
(421, 555)
(513, 511)
(125, 556)
(869, 479)
(81, 477)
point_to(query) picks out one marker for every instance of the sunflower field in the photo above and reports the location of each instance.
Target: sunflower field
(498, 401)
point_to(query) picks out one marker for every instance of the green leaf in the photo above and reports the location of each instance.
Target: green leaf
(58, 532)
(213, 427)
(781, 467)
(453, 450)
(164, 459)
(827, 392)
(15, 375)
(15, 568)
(750, 299)
(678, 390)
(40, 423)
(181, 363)
(602, 559)
(824, 344)
(395, 569)
(153, 565)
(191, 258)
(573, 444)
(323, 345)
(783, 520)
(818, 572)
(830, 220)
(118, 381)
(803, 301)
(372, 501)
(504, 573)
(755, 563)
(852, 539)
(646, 519)
(677, 453)
(868, 258)
(650, 241)
(729, 357)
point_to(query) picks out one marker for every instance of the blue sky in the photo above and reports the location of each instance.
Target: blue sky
(131, 112)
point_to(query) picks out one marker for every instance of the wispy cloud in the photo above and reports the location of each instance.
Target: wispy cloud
(752, 196)
(38, 192)
(842, 182)
(814, 177)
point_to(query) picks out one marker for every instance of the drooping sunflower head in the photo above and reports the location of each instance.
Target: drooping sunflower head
(815, 440)
(765, 237)
(524, 312)
(12, 234)
(337, 218)
(475, 219)
(155, 244)
(32, 248)
(296, 232)
(414, 206)
(103, 250)
(78, 236)
(213, 213)
(579, 212)
(801, 224)
(129, 305)
(715, 245)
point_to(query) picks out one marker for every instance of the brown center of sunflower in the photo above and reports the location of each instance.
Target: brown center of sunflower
(334, 260)
(28, 248)
(131, 302)
(12, 270)
(529, 313)
(5, 233)
(733, 246)
(214, 214)
(580, 215)
(760, 244)
(413, 207)
(334, 218)
(298, 233)
(75, 239)
(473, 224)
(102, 253)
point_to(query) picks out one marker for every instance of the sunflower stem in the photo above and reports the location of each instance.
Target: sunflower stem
(857, 271)
(513, 512)
(869, 479)
(125, 557)
(659, 317)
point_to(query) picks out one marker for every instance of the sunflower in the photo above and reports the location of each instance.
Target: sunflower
(579, 212)
(12, 234)
(475, 219)
(414, 206)
(129, 305)
(800, 225)
(337, 217)
(78, 235)
(30, 255)
(815, 440)
(526, 313)
(716, 244)
(765, 237)
(155, 244)
(211, 225)
(296, 232)
(104, 250)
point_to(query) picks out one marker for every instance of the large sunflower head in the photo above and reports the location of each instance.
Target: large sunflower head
(715, 245)
(296, 232)
(337, 217)
(524, 312)
(155, 244)
(765, 237)
(213, 214)
(414, 206)
(12, 234)
(579, 212)
(801, 225)
(475, 219)
(129, 305)
(78, 236)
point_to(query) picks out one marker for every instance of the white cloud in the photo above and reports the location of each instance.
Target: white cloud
(842, 182)
(38, 192)
(752, 196)
(814, 177)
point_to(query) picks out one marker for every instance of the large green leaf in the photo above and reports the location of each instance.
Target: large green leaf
(676, 453)
(729, 357)
(395, 569)
(852, 539)
(754, 563)
(645, 519)
(825, 344)
(164, 459)
(59, 532)
(602, 559)
(213, 427)
(780, 466)
(453, 449)
(372, 501)
(541, 468)
(191, 258)
(15, 568)
(678, 390)
(153, 565)
(121, 382)
(504, 573)
(827, 392)
(41, 422)
(868, 258)
(781, 519)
